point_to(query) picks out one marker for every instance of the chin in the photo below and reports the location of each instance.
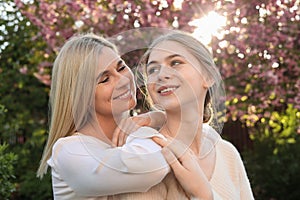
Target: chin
(169, 104)
(126, 107)
(132, 104)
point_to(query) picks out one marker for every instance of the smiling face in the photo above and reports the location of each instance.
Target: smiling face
(115, 91)
(174, 77)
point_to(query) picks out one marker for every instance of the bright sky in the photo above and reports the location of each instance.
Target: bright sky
(208, 26)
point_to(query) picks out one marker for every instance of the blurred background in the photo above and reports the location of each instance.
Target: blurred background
(255, 43)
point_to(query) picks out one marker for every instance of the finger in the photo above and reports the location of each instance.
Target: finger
(142, 119)
(117, 132)
(115, 137)
(121, 139)
(129, 126)
(172, 161)
(178, 148)
(137, 122)
(163, 142)
(125, 138)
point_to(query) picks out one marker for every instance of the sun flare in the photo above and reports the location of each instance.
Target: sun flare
(208, 26)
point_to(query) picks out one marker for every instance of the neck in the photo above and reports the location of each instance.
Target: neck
(107, 124)
(186, 126)
(102, 128)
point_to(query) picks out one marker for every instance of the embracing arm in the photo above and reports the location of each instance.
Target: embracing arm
(153, 119)
(91, 170)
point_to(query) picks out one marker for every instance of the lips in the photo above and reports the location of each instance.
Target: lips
(124, 95)
(166, 90)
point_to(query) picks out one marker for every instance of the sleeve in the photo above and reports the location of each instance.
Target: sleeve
(92, 170)
(243, 181)
(245, 187)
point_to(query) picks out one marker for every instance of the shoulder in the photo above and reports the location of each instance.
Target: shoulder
(226, 145)
(229, 155)
(77, 145)
(223, 146)
(143, 132)
(228, 148)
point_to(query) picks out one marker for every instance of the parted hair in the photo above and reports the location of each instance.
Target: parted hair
(72, 88)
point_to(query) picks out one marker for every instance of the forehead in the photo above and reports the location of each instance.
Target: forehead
(167, 48)
(108, 57)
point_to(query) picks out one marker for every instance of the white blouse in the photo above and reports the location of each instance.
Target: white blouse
(86, 168)
(83, 166)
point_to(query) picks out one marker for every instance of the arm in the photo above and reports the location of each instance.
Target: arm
(154, 119)
(95, 169)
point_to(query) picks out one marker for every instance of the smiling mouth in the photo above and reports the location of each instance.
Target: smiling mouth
(125, 95)
(167, 90)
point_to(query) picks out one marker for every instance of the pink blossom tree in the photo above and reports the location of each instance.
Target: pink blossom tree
(257, 54)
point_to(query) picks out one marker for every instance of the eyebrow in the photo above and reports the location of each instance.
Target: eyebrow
(120, 62)
(167, 58)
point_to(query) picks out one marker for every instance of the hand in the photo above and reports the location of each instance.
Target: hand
(157, 118)
(127, 126)
(185, 167)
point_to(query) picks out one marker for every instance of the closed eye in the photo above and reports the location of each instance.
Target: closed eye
(122, 67)
(103, 79)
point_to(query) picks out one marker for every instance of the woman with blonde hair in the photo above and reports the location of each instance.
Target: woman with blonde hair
(182, 79)
(92, 91)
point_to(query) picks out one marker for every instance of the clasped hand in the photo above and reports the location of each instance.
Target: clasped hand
(186, 168)
(154, 119)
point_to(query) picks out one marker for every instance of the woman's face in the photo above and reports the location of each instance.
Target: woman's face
(174, 78)
(115, 90)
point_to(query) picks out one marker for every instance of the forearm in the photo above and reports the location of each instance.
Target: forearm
(92, 171)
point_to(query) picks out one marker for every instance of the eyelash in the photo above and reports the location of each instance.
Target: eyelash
(152, 70)
(175, 62)
(103, 81)
(123, 67)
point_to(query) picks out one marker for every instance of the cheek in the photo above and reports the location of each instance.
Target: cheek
(102, 95)
(151, 90)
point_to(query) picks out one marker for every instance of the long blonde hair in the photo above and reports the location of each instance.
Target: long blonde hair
(72, 88)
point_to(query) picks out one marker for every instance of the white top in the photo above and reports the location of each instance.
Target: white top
(79, 174)
(83, 166)
(229, 180)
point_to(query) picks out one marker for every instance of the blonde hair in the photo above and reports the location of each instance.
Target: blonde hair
(214, 100)
(72, 88)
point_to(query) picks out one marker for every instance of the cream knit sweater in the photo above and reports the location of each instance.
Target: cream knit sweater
(137, 170)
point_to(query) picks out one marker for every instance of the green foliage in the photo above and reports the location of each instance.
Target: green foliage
(273, 165)
(33, 188)
(7, 161)
(279, 127)
(23, 100)
(256, 84)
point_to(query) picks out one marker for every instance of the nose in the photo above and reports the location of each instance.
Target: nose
(123, 80)
(164, 73)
